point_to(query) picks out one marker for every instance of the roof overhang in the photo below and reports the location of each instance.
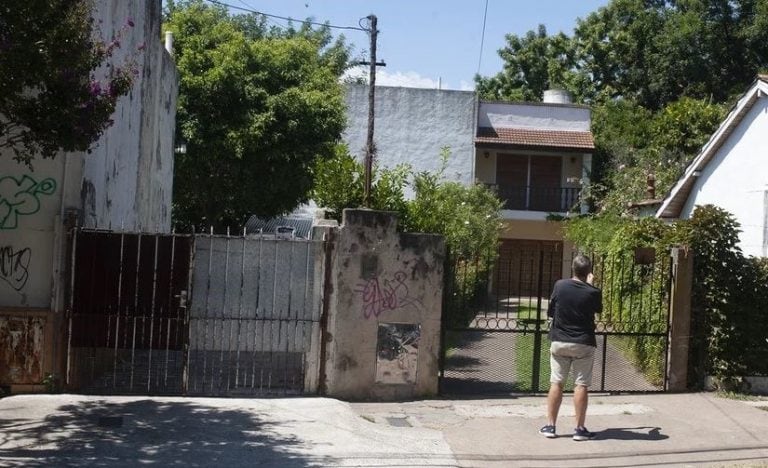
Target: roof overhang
(525, 138)
(677, 197)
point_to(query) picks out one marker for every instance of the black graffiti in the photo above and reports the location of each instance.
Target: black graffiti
(14, 266)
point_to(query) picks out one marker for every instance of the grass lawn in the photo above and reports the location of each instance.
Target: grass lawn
(524, 362)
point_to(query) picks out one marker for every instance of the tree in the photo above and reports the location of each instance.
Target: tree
(339, 184)
(532, 64)
(50, 96)
(258, 107)
(467, 216)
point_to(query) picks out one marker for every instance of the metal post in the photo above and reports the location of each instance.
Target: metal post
(537, 333)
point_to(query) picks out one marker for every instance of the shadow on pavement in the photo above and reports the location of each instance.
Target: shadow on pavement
(632, 433)
(146, 432)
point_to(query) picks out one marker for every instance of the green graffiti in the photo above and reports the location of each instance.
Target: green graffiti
(21, 197)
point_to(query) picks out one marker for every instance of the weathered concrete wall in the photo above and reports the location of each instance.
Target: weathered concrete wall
(413, 125)
(126, 181)
(383, 277)
(540, 116)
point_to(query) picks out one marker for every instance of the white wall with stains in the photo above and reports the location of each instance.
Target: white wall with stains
(125, 182)
(412, 125)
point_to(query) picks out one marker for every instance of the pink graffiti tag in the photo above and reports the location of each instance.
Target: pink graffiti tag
(382, 295)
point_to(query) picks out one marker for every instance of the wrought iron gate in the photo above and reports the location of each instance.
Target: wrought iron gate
(495, 334)
(193, 315)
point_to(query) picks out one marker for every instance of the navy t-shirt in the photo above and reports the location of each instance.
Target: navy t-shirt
(572, 307)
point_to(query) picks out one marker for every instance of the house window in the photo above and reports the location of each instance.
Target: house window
(527, 182)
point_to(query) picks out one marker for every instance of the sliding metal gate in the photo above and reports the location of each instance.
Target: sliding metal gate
(193, 315)
(495, 335)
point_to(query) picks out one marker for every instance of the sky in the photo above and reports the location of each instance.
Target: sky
(423, 41)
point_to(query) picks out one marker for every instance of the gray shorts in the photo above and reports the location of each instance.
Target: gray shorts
(563, 356)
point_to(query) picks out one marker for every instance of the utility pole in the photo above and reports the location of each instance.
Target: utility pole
(373, 31)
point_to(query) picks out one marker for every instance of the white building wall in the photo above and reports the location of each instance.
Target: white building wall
(565, 117)
(736, 179)
(125, 181)
(412, 125)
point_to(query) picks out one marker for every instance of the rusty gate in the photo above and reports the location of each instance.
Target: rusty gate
(193, 314)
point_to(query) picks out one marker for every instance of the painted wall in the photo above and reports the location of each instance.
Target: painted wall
(382, 277)
(736, 179)
(567, 117)
(412, 125)
(126, 182)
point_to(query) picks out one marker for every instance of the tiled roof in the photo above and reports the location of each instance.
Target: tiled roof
(530, 137)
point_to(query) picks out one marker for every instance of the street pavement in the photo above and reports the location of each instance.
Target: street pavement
(698, 429)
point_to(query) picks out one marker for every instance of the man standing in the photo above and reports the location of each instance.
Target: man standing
(572, 308)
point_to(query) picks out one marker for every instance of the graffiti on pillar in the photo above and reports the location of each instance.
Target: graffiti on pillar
(380, 294)
(14, 266)
(20, 196)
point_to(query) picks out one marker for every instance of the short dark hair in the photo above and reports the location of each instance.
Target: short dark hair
(582, 266)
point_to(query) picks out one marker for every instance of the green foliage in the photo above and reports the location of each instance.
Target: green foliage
(339, 184)
(632, 142)
(52, 97)
(728, 300)
(532, 64)
(258, 107)
(467, 217)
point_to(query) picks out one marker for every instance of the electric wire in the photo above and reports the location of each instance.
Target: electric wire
(286, 18)
(482, 38)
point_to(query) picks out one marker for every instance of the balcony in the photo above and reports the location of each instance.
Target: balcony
(538, 198)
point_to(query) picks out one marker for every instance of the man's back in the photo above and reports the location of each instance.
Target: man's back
(572, 307)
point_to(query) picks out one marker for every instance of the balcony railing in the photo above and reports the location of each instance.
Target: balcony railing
(537, 198)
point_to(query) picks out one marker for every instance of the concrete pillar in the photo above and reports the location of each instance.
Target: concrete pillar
(680, 319)
(382, 330)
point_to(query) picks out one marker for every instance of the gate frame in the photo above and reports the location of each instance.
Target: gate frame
(674, 335)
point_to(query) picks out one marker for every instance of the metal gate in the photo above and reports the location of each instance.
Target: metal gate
(495, 335)
(193, 315)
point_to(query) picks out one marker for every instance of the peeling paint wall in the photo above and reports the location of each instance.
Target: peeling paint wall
(382, 277)
(125, 181)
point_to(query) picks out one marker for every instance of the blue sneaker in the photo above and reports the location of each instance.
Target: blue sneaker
(548, 431)
(581, 433)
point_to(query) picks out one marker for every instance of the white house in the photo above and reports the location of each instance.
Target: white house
(731, 172)
(125, 183)
(537, 156)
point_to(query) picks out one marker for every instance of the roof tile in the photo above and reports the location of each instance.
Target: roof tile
(530, 137)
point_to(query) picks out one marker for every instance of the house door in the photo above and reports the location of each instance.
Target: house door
(519, 267)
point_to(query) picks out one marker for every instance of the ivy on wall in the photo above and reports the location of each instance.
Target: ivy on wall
(729, 295)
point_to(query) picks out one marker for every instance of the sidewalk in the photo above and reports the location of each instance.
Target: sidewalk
(632, 430)
(643, 430)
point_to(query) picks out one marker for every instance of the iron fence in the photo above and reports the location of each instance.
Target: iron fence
(495, 339)
(194, 315)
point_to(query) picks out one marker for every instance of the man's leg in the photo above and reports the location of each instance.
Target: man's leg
(580, 402)
(554, 399)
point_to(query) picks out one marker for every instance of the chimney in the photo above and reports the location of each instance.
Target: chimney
(169, 42)
(557, 96)
(650, 188)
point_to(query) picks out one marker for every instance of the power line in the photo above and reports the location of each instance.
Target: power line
(482, 38)
(286, 18)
